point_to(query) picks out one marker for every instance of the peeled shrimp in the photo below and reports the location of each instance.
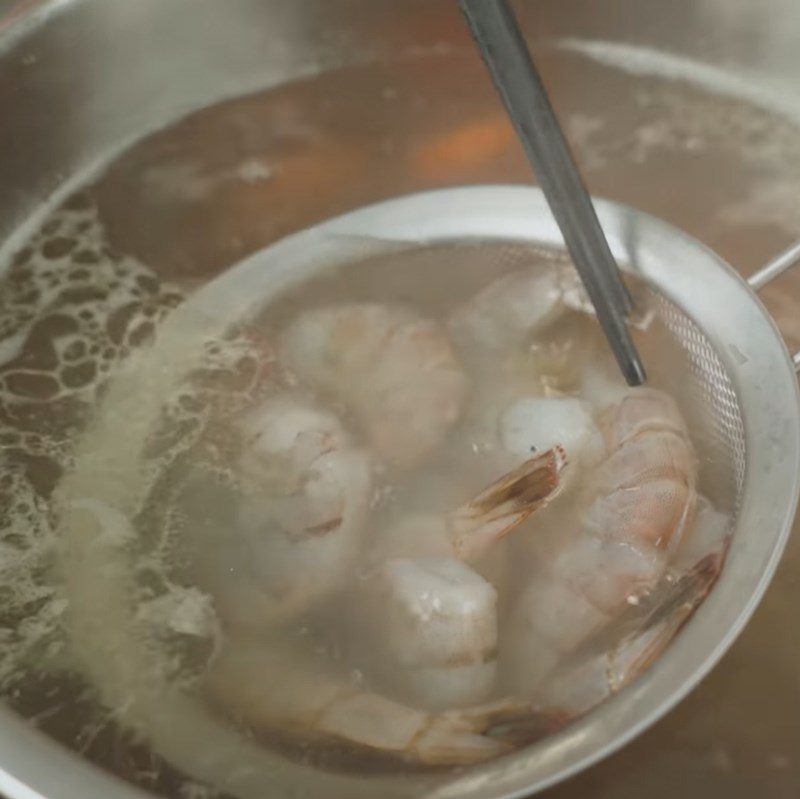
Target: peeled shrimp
(426, 632)
(507, 428)
(521, 407)
(288, 693)
(300, 519)
(642, 501)
(508, 311)
(471, 529)
(424, 622)
(580, 686)
(395, 370)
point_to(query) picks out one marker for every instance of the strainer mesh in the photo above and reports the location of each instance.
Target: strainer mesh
(711, 407)
(699, 381)
(684, 362)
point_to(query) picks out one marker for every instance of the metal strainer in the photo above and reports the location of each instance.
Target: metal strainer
(743, 404)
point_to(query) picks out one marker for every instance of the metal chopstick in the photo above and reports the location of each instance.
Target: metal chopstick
(517, 81)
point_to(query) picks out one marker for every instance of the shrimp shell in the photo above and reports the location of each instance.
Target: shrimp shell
(642, 499)
(284, 691)
(395, 370)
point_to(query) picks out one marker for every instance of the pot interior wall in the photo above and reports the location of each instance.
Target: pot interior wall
(203, 131)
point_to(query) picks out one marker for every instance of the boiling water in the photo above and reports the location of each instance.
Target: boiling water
(103, 271)
(149, 501)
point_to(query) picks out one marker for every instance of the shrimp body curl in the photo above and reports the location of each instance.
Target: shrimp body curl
(395, 370)
(641, 501)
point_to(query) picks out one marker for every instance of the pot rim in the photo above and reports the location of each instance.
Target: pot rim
(719, 301)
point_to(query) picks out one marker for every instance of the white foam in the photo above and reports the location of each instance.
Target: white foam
(757, 89)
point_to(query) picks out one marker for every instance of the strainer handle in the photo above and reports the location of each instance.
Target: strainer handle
(777, 266)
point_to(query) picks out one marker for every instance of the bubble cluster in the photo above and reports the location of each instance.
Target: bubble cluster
(711, 123)
(191, 437)
(72, 309)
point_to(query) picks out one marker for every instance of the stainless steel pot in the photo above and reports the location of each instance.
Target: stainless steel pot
(81, 80)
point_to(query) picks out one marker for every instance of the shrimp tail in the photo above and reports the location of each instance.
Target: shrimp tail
(471, 735)
(520, 723)
(506, 503)
(282, 691)
(670, 613)
(592, 678)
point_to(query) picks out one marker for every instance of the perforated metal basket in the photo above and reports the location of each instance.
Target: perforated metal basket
(744, 408)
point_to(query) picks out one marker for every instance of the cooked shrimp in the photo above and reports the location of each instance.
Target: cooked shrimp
(289, 693)
(508, 428)
(533, 424)
(299, 524)
(426, 630)
(590, 679)
(395, 370)
(508, 312)
(517, 327)
(425, 623)
(511, 309)
(471, 529)
(642, 500)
